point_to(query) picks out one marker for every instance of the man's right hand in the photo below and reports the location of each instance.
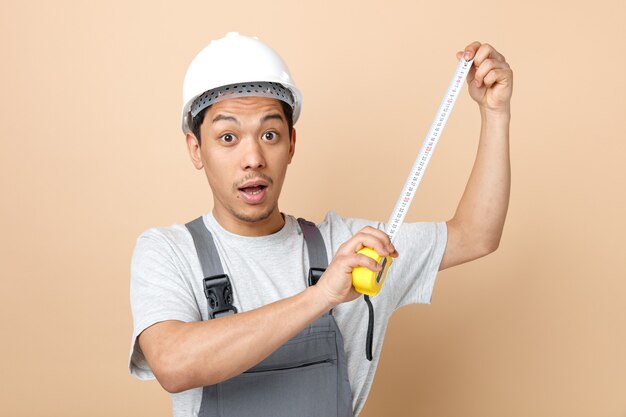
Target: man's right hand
(336, 282)
(190, 355)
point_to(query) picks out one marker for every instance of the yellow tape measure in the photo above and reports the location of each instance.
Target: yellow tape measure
(370, 282)
(365, 280)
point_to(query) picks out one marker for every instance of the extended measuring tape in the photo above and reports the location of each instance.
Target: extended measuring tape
(365, 280)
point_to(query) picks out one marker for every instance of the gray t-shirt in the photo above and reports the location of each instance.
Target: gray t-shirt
(166, 284)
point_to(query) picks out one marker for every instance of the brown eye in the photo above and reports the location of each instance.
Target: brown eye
(269, 136)
(228, 138)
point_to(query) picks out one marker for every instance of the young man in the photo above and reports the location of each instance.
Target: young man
(293, 347)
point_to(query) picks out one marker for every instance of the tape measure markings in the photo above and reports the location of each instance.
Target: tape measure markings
(428, 146)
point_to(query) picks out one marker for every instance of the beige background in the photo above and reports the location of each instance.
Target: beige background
(91, 154)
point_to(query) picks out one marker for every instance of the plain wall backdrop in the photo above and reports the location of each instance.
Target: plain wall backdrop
(92, 154)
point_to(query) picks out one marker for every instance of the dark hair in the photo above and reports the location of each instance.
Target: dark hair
(196, 122)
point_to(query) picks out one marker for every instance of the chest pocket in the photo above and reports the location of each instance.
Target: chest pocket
(306, 376)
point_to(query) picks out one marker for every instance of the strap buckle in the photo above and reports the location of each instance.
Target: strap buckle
(315, 274)
(219, 295)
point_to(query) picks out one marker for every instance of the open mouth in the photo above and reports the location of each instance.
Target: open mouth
(254, 192)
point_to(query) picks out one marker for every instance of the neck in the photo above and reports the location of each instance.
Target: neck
(236, 225)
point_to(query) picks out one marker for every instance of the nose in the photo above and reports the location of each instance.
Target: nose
(253, 157)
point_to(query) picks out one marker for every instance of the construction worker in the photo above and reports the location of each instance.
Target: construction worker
(247, 311)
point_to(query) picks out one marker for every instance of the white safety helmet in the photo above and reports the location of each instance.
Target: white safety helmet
(236, 66)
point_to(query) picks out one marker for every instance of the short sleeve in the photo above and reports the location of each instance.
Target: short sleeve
(421, 245)
(412, 275)
(158, 292)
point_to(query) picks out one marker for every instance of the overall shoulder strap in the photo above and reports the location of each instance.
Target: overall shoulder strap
(217, 288)
(205, 247)
(318, 259)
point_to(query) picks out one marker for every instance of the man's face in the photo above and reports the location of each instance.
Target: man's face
(246, 147)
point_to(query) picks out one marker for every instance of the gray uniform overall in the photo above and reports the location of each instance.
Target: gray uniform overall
(307, 376)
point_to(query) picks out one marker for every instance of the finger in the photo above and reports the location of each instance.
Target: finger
(502, 76)
(376, 232)
(486, 51)
(485, 67)
(371, 241)
(471, 74)
(347, 263)
(361, 240)
(470, 50)
(379, 234)
(367, 262)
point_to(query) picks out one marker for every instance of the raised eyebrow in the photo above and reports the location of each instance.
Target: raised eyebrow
(272, 116)
(220, 117)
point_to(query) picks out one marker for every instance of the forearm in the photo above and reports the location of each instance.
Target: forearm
(482, 209)
(189, 355)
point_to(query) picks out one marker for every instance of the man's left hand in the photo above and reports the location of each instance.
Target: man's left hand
(490, 79)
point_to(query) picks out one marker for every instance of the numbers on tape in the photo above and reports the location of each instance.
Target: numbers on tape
(367, 281)
(430, 142)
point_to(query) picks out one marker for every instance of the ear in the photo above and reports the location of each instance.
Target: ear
(292, 144)
(194, 150)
